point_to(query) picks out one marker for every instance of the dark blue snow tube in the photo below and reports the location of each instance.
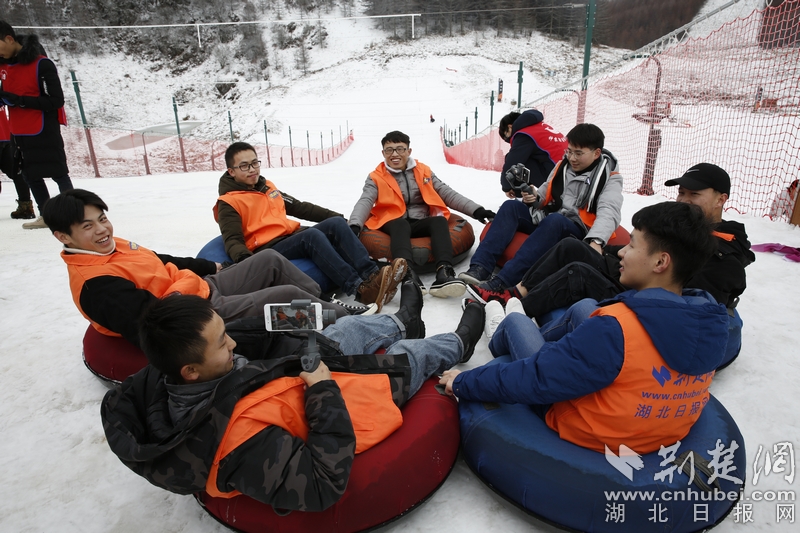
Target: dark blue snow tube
(215, 251)
(513, 451)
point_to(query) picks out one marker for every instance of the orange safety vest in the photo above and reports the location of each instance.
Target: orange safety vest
(263, 215)
(136, 264)
(23, 80)
(390, 204)
(587, 217)
(648, 405)
(281, 402)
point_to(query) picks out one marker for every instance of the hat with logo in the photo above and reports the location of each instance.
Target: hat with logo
(704, 176)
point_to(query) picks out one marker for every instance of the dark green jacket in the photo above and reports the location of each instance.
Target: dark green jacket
(230, 223)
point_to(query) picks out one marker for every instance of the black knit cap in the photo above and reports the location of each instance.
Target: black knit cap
(704, 176)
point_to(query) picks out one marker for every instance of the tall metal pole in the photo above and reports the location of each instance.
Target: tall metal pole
(491, 109)
(591, 9)
(86, 126)
(519, 91)
(291, 150)
(230, 125)
(266, 138)
(308, 146)
(178, 128)
(466, 128)
(476, 121)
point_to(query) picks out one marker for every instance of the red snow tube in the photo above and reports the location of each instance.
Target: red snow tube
(387, 480)
(111, 358)
(621, 237)
(378, 244)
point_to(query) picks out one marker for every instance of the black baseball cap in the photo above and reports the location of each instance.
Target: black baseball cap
(704, 176)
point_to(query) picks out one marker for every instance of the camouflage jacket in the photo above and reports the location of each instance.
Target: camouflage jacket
(273, 466)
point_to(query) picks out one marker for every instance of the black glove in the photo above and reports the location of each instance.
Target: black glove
(9, 98)
(356, 230)
(482, 214)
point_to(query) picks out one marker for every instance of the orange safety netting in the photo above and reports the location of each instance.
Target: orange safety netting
(731, 98)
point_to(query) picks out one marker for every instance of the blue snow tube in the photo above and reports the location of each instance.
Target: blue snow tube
(215, 251)
(513, 451)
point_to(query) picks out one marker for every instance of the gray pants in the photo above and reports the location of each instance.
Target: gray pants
(267, 277)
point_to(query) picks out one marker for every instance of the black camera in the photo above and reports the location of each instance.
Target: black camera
(519, 178)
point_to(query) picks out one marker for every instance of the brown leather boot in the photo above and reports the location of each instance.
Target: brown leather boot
(373, 290)
(24, 210)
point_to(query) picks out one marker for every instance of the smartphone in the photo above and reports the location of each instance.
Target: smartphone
(286, 317)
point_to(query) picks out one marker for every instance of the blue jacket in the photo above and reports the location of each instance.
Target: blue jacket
(689, 331)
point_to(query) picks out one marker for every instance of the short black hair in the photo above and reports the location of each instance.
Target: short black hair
(234, 149)
(6, 30)
(586, 136)
(505, 121)
(171, 332)
(396, 137)
(682, 231)
(63, 210)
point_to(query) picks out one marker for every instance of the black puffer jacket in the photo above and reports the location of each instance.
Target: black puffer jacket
(230, 223)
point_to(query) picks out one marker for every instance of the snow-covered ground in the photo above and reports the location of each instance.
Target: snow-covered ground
(60, 474)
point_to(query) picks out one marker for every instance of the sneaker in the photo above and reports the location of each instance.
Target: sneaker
(398, 269)
(24, 210)
(486, 296)
(495, 285)
(470, 328)
(475, 274)
(373, 290)
(494, 315)
(413, 276)
(356, 309)
(36, 224)
(410, 312)
(446, 285)
(514, 306)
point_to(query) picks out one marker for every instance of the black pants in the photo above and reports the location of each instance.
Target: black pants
(568, 273)
(9, 167)
(401, 230)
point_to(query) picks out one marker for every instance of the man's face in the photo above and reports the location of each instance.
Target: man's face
(218, 356)
(507, 133)
(247, 160)
(393, 156)
(94, 233)
(580, 158)
(8, 47)
(637, 263)
(709, 200)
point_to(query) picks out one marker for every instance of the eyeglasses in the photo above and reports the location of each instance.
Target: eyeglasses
(577, 153)
(400, 150)
(244, 167)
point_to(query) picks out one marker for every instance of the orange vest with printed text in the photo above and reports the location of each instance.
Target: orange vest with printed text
(23, 80)
(136, 264)
(263, 215)
(281, 402)
(648, 405)
(390, 203)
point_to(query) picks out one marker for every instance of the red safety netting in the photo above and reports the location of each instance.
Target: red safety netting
(118, 153)
(731, 98)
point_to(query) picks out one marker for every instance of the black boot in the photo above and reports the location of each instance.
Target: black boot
(470, 328)
(410, 312)
(413, 276)
(446, 285)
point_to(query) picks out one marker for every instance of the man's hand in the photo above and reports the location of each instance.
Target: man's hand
(320, 374)
(356, 230)
(9, 98)
(528, 199)
(482, 214)
(511, 194)
(447, 380)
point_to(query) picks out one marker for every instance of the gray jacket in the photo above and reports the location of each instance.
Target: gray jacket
(416, 208)
(578, 192)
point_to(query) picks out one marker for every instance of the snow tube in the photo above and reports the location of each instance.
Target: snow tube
(215, 251)
(513, 451)
(378, 244)
(621, 237)
(111, 358)
(386, 481)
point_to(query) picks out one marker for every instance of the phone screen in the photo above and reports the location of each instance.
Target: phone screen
(285, 317)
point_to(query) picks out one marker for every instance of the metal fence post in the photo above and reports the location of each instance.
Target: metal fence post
(178, 128)
(266, 138)
(291, 150)
(86, 126)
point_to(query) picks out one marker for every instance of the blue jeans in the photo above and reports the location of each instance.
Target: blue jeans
(512, 217)
(368, 334)
(335, 249)
(516, 336)
(566, 323)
